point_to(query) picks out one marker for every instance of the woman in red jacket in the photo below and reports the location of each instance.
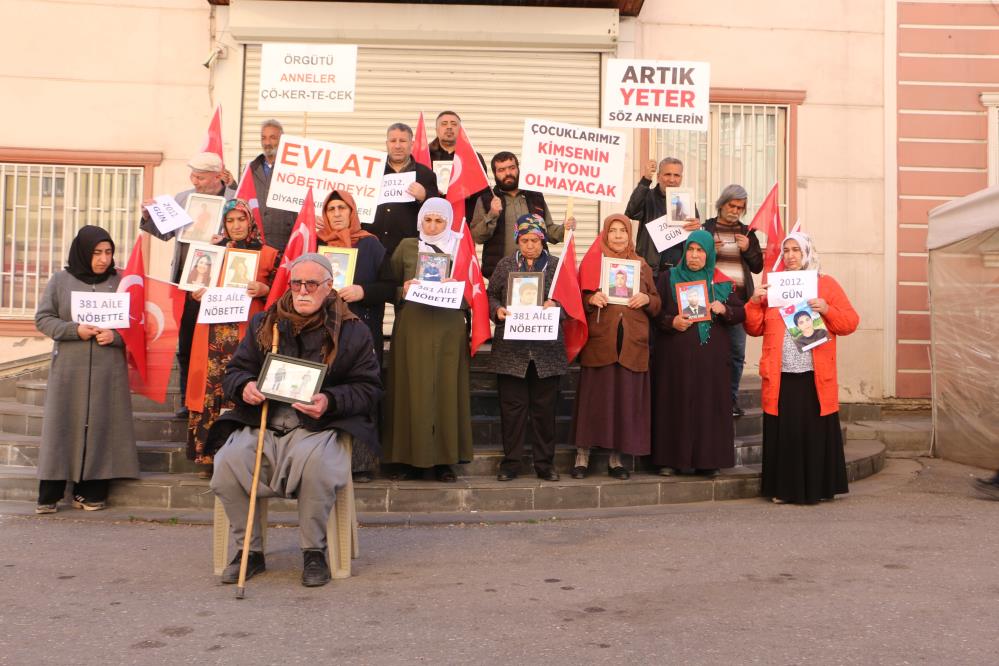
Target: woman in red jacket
(803, 460)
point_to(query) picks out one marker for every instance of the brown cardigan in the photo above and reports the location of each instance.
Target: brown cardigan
(601, 348)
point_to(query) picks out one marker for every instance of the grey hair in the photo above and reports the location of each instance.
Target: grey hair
(669, 160)
(731, 193)
(272, 122)
(400, 127)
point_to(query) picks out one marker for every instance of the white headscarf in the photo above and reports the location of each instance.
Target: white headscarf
(446, 240)
(809, 256)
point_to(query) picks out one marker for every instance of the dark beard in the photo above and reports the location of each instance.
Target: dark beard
(509, 188)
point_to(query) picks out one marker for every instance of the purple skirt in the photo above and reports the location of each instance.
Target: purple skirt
(613, 410)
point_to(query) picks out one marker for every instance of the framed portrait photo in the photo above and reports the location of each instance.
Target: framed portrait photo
(433, 266)
(290, 379)
(680, 204)
(692, 300)
(343, 260)
(805, 325)
(206, 212)
(619, 279)
(442, 169)
(202, 266)
(525, 289)
(239, 268)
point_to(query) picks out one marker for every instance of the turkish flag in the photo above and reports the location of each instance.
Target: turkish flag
(302, 241)
(589, 268)
(248, 192)
(467, 177)
(565, 289)
(466, 267)
(767, 220)
(421, 149)
(213, 139)
(133, 283)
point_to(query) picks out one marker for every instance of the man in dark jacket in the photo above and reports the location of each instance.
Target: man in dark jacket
(738, 256)
(277, 223)
(442, 150)
(648, 203)
(304, 458)
(497, 211)
(396, 220)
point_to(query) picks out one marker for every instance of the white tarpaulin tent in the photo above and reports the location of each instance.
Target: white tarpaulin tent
(963, 243)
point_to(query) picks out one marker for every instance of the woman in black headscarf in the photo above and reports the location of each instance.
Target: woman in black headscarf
(87, 435)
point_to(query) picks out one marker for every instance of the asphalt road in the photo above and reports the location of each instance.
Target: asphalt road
(901, 571)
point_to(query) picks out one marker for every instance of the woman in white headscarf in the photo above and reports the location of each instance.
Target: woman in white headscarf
(428, 420)
(803, 461)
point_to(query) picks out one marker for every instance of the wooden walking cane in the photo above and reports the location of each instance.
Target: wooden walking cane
(241, 585)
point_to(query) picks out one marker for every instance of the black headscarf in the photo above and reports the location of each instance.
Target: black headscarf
(81, 255)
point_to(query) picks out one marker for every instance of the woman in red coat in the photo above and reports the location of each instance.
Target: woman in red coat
(803, 459)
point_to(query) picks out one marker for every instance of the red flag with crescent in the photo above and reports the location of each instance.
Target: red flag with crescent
(421, 149)
(467, 177)
(302, 241)
(466, 267)
(133, 283)
(248, 192)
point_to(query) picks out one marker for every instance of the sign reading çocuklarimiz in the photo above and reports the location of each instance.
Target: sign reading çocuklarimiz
(572, 160)
(664, 94)
(307, 77)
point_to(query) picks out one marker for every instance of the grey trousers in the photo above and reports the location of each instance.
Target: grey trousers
(307, 466)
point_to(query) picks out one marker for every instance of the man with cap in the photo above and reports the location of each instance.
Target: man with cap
(277, 223)
(206, 177)
(303, 457)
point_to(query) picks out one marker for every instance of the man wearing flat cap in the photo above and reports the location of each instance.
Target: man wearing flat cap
(206, 177)
(302, 455)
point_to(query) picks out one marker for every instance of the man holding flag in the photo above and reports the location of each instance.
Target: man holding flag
(444, 148)
(739, 256)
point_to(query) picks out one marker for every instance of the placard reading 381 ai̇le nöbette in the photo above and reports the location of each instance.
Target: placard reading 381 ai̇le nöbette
(665, 94)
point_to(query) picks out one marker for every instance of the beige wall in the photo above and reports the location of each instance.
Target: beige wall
(89, 75)
(833, 52)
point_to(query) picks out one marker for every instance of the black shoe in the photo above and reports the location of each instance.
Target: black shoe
(738, 411)
(182, 413)
(550, 475)
(254, 565)
(708, 473)
(619, 473)
(988, 487)
(579, 472)
(405, 473)
(316, 570)
(445, 474)
(363, 477)
(506, 475)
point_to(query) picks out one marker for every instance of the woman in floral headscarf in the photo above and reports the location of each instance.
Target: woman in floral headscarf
(214, 344)
(527, 371)
(692, 427)
(613, 403)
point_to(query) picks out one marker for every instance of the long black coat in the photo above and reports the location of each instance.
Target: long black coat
(353, 382)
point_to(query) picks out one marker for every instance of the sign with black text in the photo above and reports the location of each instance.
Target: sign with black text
(395, 186)
(790, 287)
(531, 322)
(437, 294)
(167, 214)
(666, 233)
(100, 309)
(307, 77)
(222, 305)
(664, 94)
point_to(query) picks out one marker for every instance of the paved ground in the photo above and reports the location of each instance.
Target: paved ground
(902, 571)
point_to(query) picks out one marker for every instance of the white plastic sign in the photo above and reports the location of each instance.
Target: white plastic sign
(103, 310)
(790, 287)
(437, 294)
(531, 322)
(222, 305)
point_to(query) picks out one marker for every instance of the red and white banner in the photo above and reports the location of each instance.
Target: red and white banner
(467, 178)
(566, 291)
(466, 267)
(767, 220)
(664, 94)
(572, 160)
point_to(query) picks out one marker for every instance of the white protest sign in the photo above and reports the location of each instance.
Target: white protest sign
(303, 163)
(167, 214)
(531, 322)
(394, 187)
(790, 287)
(572, 160)
(221, 305)
(664, 94)
(665, 234)
(103, 310)
(307, 77)
(437, 294)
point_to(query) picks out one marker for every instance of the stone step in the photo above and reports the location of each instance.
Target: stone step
(171, 457)
(906, 434)
(32, 392)
(20, 419)
(468, 494)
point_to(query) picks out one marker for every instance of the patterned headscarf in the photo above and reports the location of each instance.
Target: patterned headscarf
(252, 240)
(531, 224)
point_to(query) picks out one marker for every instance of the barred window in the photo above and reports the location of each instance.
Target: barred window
(746, 144)
(42, 206)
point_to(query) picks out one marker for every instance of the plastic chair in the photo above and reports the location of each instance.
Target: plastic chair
(341, 529)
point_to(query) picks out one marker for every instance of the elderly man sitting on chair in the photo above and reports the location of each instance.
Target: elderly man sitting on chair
(301, 456)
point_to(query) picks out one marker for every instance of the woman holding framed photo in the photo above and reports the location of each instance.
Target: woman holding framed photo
(428, 418)
(692, 427)
(340, 227)
(803, 460)
(614, 398)
(214, 344)
(87, 436)
(527, 371)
